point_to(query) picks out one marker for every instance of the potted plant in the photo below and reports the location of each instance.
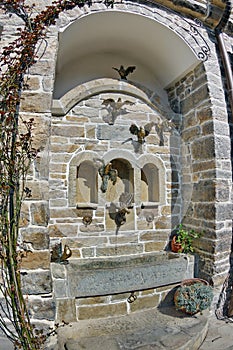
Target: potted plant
(182, 241)
(192, 296)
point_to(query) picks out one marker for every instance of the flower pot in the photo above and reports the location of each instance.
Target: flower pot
(175, 246)
(190, 297)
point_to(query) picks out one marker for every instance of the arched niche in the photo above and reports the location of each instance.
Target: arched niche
(86, 183)
(150, 187)
(151, 180)
(83, 180)
(125, 180)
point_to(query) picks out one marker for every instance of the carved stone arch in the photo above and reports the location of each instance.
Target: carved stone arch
(95, 87)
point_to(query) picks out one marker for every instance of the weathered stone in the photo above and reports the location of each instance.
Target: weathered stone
(58, 271)
(222, 148)
(155, 246)
(64, 230)
(194, 99)
(38, 237)
(32, 83)
(60, 288)
(110, 276)
(39, 189)
(40, 214)
(223, 211)
(42, 309)
(43, 67)
(92, 300)
(113, 132)
(204, 211)
(120, 250)
(36, 282)
(85, 241)
(145, 302)
(203, 149)
(99, 311)
(66, 310)
(24, 215)
(204, 191)
(68, 130)
(36, 260)
(36, 102)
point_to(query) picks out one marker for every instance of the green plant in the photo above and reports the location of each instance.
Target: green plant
(185, 237)
(193, 298)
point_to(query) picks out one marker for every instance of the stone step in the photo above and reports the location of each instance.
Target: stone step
(156, 329)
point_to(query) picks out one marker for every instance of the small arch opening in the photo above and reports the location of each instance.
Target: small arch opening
(150, 183)
(125, 180)
(86, 183)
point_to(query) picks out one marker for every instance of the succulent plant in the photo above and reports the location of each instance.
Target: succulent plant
(193, 298)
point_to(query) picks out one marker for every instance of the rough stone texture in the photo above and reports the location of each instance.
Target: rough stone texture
(38, 237)
(89, 278)
(36, 260)
(66, 310)
(40, 214)
(36, 282)
(42, 309)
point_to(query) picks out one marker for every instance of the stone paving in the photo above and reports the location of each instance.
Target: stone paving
(157, 329)
(153, 329)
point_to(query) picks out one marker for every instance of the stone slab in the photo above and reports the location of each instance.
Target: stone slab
(113, 132)
(119, 275)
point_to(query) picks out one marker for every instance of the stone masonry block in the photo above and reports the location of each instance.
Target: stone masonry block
(42, 309)
(40, 214)
(203, 149)
(66, 310)
(100, 311)
(145, 302)
(36, 260)
(36, 102)
(36, 282)
(38, 237)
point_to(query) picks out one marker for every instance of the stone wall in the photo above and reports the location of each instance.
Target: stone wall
(206, 165)
(197, 160)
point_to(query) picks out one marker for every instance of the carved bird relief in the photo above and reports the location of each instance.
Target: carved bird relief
(166, 125)
(58, 256)
(142, 131)
(125, 200)
(114, 107)
(124, 72)
(107, 173)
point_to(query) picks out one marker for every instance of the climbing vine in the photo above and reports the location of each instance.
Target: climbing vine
(16, 156)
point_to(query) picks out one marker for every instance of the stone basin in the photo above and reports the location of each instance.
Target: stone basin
(92, 277)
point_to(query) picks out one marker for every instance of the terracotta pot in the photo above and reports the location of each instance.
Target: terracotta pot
(190, 281)
(187, 282)
(176, 247)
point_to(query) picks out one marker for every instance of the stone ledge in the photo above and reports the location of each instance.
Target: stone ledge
(92, 277)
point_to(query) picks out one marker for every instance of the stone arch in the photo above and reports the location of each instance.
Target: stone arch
(105, 85)
(94, 60)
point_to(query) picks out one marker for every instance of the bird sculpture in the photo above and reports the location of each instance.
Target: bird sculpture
(58, 256)
(107, 173)
(142, 131)
(124, 72)
(125, 202)
(114, 108)
(165, 125)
